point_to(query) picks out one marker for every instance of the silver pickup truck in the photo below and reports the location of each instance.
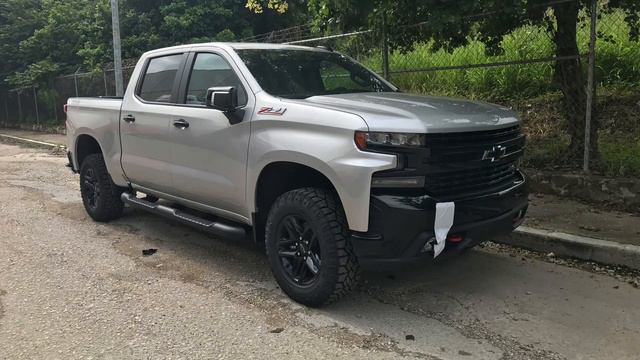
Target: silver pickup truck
(327, 165)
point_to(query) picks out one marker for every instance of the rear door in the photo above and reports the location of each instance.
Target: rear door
(146, 120)
(210, 154)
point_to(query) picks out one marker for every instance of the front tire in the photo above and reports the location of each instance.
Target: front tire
(308, 249)
(100, 196)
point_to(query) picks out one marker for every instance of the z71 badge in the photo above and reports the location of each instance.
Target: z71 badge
(267, 110)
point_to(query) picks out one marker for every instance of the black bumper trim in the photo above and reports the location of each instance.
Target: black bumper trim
(400, 226)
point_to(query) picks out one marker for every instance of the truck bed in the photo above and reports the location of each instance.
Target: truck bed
(100, 119)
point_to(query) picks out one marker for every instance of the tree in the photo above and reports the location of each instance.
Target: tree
(41, 39)
(56, 36)
(450, 24)
(18, 20)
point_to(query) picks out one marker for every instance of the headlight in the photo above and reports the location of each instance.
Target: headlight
(365, 139)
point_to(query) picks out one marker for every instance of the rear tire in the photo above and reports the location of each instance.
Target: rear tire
(100, 196)
(308, 249)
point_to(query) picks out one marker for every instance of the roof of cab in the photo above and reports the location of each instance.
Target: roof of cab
(239, 46)
(267, 46)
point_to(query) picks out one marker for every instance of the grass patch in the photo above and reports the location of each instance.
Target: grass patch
(618, 112)
(618, 63)
(619, 156)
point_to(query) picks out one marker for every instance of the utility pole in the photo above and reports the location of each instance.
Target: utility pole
(385, 48)
(117, 53)
(590, 86)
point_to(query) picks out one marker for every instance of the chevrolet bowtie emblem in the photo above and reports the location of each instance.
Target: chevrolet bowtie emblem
(495, 153)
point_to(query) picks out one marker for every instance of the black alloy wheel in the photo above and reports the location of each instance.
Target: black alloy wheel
(298, 250)
(91, 188)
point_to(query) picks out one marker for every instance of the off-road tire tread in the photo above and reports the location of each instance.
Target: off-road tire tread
(327, 209)
(111, 205)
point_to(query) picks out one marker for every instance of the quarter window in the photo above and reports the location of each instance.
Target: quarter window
(211, 70)
(160, 77)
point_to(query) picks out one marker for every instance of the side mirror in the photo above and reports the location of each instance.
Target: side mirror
(222, 98)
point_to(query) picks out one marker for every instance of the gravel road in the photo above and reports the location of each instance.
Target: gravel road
(72, 288)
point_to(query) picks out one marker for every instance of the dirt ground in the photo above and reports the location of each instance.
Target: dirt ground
(36, 135)
(73, 288)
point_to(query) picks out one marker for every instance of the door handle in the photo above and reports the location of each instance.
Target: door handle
(129, 118)
(181, 123)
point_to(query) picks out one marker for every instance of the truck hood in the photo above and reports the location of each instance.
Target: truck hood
(401, 112)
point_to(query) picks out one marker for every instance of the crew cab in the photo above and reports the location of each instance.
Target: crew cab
(322, 162)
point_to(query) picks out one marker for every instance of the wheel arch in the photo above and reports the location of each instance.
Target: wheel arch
(279, 177)
(86, 145)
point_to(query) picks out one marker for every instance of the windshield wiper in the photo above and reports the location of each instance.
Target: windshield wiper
(296, 96)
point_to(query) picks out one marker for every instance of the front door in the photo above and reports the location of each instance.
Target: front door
(210, 146)
(145, 123)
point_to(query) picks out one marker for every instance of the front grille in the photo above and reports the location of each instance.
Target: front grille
(464, 138)
(450, 148)
(473, 162)
(472, 181)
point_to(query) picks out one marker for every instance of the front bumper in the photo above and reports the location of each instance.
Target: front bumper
(401, 227)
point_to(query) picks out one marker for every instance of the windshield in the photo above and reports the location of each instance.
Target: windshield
(293, 73)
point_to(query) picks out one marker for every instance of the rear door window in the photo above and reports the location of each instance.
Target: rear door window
(160, 79)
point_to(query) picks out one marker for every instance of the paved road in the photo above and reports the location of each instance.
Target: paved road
(72, 288)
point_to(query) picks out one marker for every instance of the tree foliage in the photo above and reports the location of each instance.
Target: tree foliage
(277, 5)
(43, 38)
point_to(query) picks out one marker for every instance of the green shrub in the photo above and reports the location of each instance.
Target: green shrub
(618, 63)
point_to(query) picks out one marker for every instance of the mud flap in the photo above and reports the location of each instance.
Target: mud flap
(442, 225)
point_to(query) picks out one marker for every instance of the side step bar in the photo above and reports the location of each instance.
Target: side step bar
(215, 228)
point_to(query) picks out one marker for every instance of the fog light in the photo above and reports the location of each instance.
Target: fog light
(398, 182)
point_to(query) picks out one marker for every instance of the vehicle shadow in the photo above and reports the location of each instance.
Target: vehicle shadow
(378, 309)
(186, 249)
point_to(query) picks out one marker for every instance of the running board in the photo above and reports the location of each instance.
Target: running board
(214, 227)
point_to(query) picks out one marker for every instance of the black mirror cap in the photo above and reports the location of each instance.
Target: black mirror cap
(222, 98)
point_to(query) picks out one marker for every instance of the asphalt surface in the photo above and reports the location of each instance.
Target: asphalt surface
(72, 288)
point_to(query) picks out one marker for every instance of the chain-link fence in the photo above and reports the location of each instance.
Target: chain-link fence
(543, 77)
(41, 107)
